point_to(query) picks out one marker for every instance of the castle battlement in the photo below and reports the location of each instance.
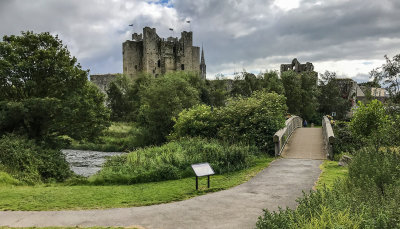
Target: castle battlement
(149, 53)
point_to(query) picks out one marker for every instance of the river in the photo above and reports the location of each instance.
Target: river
(86, 162)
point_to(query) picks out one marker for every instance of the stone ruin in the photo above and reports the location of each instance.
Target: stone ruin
(297, 67)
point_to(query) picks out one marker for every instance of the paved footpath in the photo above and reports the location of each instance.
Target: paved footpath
(305, 143)
(278, 185)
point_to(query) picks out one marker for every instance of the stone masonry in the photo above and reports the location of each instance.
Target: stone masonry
(151, 54)
(297, 67)
(102, 81)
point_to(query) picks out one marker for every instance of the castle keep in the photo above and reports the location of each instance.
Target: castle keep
(151, 54)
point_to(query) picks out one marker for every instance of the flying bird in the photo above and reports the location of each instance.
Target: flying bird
(131, 25)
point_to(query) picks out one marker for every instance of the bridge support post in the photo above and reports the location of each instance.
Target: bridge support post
(329, 137)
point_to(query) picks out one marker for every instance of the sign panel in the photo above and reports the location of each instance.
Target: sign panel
(202, 169)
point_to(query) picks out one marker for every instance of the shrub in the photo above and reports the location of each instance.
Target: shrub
(252, 120)
(173, 160)
(6, 179)
(370, 123)
(200, 120)
(344, 140)
(30, 163)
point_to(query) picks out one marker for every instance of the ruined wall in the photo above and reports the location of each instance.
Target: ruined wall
(297, 67)
(102, 81)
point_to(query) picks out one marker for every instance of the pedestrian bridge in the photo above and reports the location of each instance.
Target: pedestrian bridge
(297, 142)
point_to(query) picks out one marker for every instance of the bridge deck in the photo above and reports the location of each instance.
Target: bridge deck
(305, 143)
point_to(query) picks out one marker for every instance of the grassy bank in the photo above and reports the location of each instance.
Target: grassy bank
(331, 171)
(57, 197)
(117, 138)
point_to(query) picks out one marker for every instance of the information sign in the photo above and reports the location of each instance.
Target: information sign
(202, 169)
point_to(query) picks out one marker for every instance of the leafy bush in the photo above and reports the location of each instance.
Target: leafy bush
(200, 120)
(370, 123)
(6, 179)
(30, 163)
(173, 160)
(345, 142)
(368, 198)
(252, 120)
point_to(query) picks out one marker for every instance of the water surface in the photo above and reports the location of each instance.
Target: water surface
(86, 162)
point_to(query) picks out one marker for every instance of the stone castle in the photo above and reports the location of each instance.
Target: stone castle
(151, 54)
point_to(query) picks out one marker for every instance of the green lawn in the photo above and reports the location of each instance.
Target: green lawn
(57, 197)
(330, 172)
(118, 137)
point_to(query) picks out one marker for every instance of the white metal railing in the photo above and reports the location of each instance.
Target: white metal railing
(329, 137)
(281, 136)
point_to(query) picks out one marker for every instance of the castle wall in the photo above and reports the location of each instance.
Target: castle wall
(195, 59)
(132, 57)
(151, 52)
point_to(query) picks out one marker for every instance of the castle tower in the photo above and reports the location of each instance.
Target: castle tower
(154, 55)
(203, 71)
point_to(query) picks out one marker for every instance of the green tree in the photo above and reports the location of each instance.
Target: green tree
(330, 99)
(44, 93)
(370, 123)
(271, 83)
(292, 83)
(244, 84)
(122, 96)
(389, 74)
(162, 100)
(218, 91)
(309, 95)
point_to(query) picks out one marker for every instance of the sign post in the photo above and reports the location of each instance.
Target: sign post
(202, 169)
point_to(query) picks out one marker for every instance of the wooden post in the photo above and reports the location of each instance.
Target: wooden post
(208, 184)
(197, 183)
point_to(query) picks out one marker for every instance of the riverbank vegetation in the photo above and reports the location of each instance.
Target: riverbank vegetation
(119, 137)
(172, 161)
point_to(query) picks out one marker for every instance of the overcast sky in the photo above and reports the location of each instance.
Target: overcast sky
(348, 37)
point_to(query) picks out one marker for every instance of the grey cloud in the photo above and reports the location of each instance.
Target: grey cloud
(233, 32)
(335, 30)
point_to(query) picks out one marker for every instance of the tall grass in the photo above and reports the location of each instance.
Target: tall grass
(173, 160)
(369, 197)
(120, 136)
